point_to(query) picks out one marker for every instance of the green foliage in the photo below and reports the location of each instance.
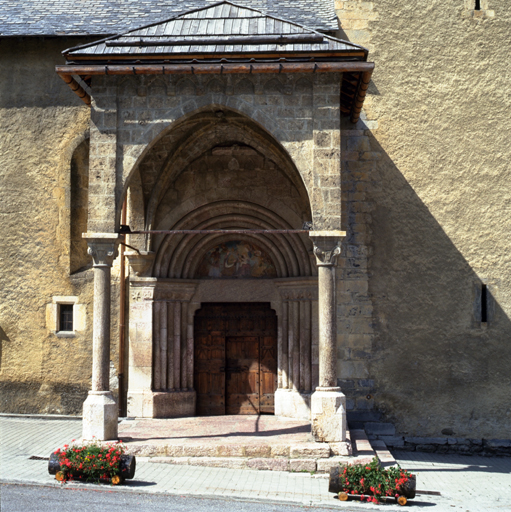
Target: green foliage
(372, 481)
(91, 461)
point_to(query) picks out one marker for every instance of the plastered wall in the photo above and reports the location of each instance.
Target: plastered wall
(41, 125)
(426, 183)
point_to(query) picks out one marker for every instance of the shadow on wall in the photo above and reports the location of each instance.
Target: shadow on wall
(433, 363)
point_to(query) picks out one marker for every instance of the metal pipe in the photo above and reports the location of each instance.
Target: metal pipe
(122, 315)
(222, 232)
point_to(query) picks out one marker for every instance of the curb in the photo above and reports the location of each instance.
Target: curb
(123, 489)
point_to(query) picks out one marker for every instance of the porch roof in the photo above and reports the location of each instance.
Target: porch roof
(222, 38)
(224, 30)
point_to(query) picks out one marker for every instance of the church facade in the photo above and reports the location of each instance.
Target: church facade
(249, 209)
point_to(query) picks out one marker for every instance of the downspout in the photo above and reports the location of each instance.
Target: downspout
(122, 317)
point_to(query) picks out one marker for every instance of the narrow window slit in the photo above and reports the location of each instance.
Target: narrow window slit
(484, 303)
(478, 5)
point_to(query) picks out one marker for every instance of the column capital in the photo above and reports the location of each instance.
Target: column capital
(103, 247)
(327, 246)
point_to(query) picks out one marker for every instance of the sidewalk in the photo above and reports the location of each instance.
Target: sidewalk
(473, 484)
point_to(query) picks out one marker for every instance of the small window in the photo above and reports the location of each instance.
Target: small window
(65, 318)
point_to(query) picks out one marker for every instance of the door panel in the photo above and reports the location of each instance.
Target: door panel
(242, 375)
(235, 358)
(210, 374)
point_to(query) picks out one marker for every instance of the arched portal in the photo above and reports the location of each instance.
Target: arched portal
(219, 171)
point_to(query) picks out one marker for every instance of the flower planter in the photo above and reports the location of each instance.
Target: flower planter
(402, 491)
(127, 466)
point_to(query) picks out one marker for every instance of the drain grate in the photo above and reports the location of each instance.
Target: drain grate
(38, 457)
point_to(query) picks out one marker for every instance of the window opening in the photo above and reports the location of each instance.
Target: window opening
(66, 317)
(484, 303)
(478, 5)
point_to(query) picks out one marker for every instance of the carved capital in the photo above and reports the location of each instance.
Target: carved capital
(326, 258)
(103, 248)
(326, 247)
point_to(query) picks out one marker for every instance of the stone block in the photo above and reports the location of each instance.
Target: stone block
(100, 416)
(352, 369)
(280, 451)
(258, 450)
(140, 378)
(328, 414)
(268, 464)
(309, 450)
(147, 450)
(324, 465)
(292, 404)
(218, 462)
(393, 441)
(305, 465)
(380, 429)
(173, 450)
(201, 450)
(424, 440)
(498, 443)
(343, 448)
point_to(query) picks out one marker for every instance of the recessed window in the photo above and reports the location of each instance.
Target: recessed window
(477, 5)
(65, 315)
(484, 304)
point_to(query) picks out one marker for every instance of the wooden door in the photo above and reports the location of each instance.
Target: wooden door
(209, 375)
(235, 359)
(242, 375)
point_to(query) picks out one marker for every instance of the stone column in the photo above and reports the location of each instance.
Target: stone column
(328, 403)
(100, 412)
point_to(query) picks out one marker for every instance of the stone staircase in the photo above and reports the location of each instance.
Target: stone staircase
(311, 457)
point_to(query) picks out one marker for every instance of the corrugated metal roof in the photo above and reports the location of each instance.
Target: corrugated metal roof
(221, 29)
(107, 17)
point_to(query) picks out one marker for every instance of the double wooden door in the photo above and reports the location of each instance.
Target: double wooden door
(235, 358)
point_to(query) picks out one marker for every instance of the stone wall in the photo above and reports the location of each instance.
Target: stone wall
(42, 123)
(426, 183)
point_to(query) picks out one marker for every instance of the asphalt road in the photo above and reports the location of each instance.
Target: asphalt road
(32, 498)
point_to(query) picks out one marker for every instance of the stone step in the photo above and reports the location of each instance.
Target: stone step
(259, 450)
(303, 457)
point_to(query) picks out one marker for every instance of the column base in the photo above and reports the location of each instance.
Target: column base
(328, 415)
(290, 403)
(100, 416)
(161, 404)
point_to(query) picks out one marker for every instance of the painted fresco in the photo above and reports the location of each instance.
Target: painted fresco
(236, 259)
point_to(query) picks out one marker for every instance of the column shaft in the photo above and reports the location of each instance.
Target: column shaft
(101, 329)
(327, 330)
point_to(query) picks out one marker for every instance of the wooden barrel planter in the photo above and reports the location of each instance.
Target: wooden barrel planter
(127, 466)
(404, 492)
